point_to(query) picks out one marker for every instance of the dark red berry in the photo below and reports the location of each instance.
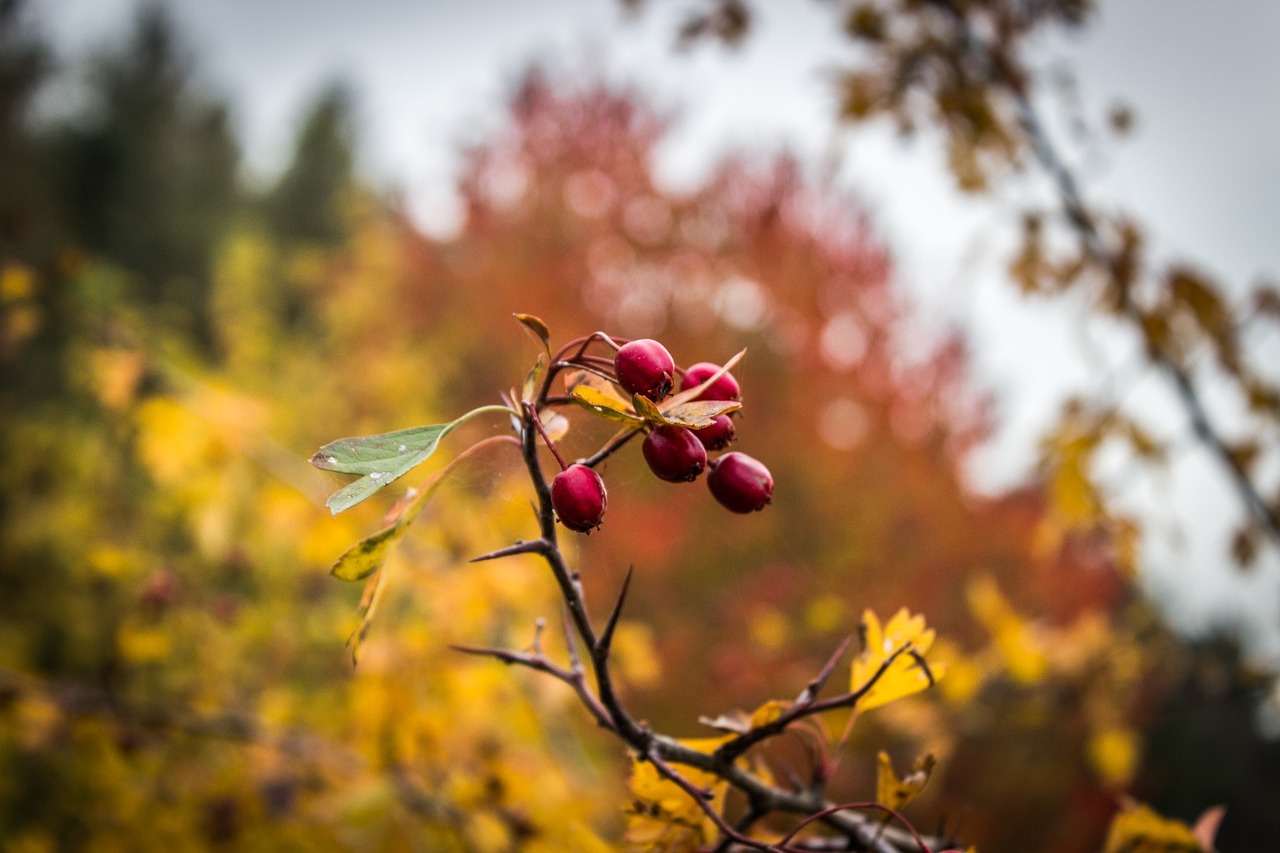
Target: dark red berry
(724, 388)
(718, 435)
(579, 498)
(740, 483)
(645, 367)
(674, 454)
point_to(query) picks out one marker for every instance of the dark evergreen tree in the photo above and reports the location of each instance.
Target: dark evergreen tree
(306, 203)
(148, 175)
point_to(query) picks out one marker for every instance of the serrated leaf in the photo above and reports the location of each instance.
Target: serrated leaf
(538, 327)
(599, 403)
(898, 793)
(1137, 828)
(646, 409)
(699, 414)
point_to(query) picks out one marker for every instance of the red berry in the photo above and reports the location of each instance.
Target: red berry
(674, 454)
(579, 498)
(724, 388)
(718, 435)
(645, 367)
(740, 483)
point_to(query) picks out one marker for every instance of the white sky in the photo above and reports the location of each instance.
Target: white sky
(1202, 173)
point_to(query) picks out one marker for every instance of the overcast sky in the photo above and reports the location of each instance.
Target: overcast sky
(1202, 172)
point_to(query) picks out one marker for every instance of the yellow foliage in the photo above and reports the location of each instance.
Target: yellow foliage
(636, 658)
(17, 282)
(1018, 641)
(903, 636)
(769, 629)
(898, 793)
(1139, 829)
(662, 817)
(143, 645)
(825, 613)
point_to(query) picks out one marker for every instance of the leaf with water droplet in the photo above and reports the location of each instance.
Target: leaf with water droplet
(382, 459)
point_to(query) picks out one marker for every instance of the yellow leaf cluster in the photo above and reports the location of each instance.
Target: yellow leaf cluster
(898, 793)
(1140, 829)
(902, 639)
(1016, 639)
(662, 817)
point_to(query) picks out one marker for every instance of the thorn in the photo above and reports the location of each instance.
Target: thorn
(607, 637)
(532, 546)
(811, 690)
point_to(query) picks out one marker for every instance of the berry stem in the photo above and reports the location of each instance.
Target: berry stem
(537, 422)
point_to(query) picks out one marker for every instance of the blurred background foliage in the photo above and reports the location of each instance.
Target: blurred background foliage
(175, 341)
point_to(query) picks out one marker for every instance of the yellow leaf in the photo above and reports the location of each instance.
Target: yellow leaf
(603, 404)
(1139, 829)
(898, 793)
(537, 326)
(768, 712)
(906, 640)
(662, 817)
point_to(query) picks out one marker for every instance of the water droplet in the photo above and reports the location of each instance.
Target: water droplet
(401, 449)
(377, 475)
(332, 460)
(888, 645)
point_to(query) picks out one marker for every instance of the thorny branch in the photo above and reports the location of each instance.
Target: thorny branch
(664, 752)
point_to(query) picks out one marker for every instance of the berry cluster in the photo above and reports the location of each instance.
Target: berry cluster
(674, 453)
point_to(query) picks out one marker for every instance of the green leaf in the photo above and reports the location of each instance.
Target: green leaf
(699, 414)
(538, 327)
(383, 458)
(367, 556)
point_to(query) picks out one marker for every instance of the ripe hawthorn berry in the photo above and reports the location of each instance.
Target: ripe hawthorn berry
(674, 454)
(724, 388)
(718, 435)
(645, 367)
(579, 498)
(740, 483)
